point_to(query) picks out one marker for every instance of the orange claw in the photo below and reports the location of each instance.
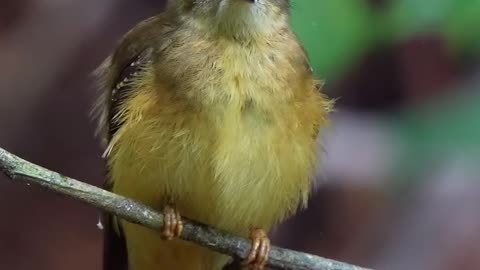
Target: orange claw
(258, 256)
(173, 224)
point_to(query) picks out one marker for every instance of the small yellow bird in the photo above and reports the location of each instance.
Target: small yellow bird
(210, 110)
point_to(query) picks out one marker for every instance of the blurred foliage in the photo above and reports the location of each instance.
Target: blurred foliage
(337, 32)
(433, 133)
(334, 32)
(458, 20)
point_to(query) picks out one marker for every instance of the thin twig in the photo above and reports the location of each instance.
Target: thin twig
(17, 168)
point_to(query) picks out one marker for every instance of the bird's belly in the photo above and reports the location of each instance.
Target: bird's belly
(262, 174)
(235, 172)
(237, 175)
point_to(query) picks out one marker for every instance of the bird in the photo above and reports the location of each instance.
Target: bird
(208, 110)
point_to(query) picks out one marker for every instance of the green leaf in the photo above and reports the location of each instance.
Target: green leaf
(334, 32)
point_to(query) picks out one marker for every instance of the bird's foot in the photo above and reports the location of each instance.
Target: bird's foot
(258, 256)
(173, 224)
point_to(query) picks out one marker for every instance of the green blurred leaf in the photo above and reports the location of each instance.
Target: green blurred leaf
(463, 25)
(458, 20)
(411, 16)
(334, 32)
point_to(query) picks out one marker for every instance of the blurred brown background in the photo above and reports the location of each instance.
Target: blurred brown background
(400, 183)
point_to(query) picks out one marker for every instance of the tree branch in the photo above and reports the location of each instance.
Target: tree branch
(203, 235)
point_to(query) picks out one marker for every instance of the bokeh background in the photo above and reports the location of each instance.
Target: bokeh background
(400, 183)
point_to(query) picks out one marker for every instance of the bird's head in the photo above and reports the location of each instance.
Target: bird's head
(238, 18)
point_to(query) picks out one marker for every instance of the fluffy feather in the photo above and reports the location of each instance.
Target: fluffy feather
(224, 128)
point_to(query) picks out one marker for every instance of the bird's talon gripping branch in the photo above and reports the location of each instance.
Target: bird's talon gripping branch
(173, 224)
(258, 256)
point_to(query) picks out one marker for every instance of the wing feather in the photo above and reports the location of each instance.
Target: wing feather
(111, 105)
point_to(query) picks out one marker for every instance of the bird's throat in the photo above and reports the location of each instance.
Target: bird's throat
(247, 19)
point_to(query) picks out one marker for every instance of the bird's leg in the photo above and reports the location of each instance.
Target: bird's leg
(173, 224)
(258, 256)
